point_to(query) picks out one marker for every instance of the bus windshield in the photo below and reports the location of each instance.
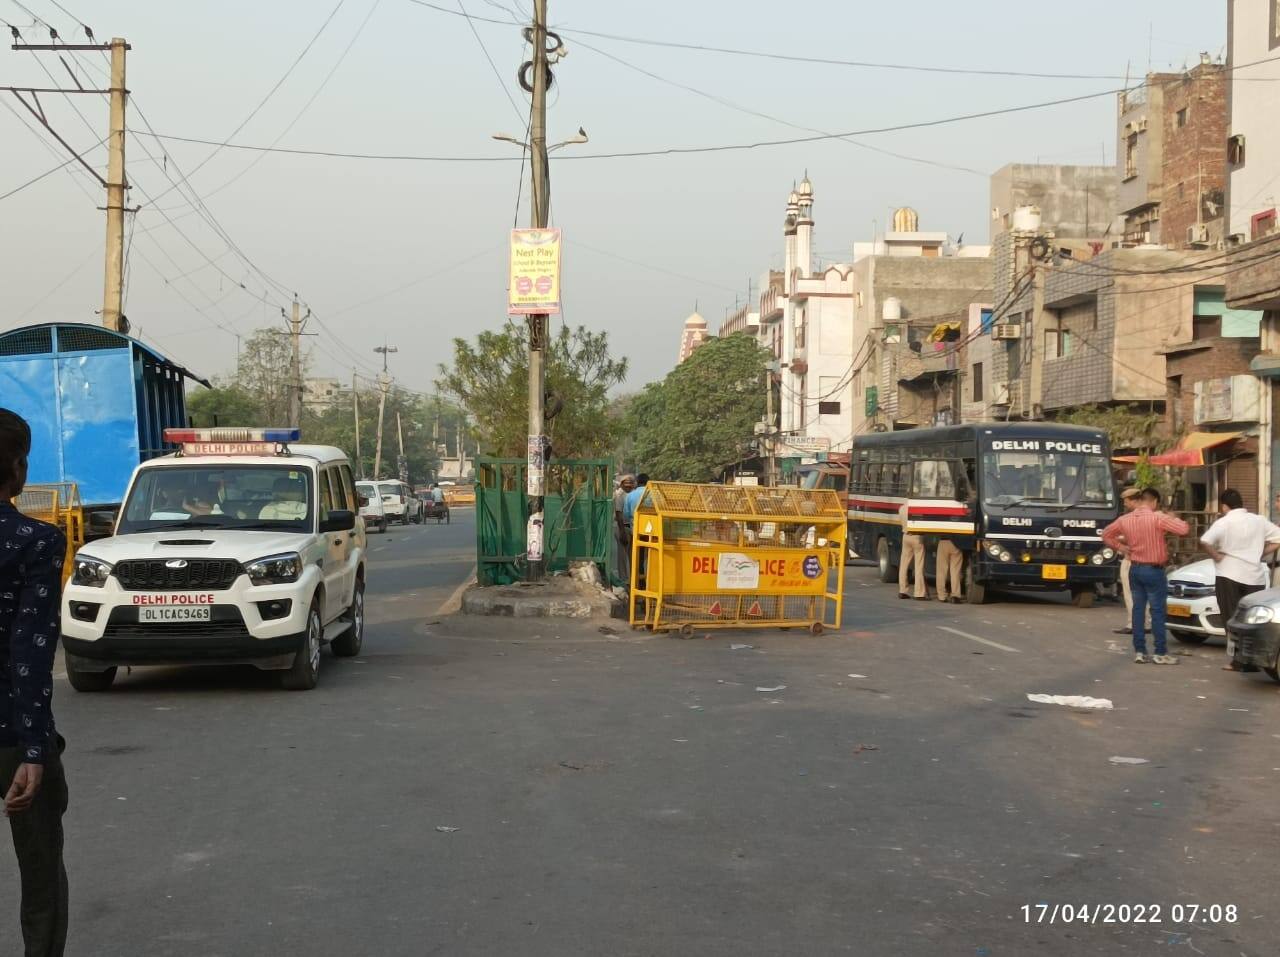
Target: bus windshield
(1047, 478)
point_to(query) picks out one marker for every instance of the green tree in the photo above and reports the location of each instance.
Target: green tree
(701, 418)
(226, 404)
(263, 370)
(336, 426)
(490, 378)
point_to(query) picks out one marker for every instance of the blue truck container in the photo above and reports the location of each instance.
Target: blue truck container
(98, 403)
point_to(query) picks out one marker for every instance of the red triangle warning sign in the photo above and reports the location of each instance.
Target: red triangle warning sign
(716, 610)
(755, 611)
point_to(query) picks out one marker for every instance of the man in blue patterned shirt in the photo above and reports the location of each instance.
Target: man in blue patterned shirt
(31, 776)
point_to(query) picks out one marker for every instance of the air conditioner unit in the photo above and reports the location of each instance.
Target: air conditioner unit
(1199, 233)
(1006, 330)
(1007, 393)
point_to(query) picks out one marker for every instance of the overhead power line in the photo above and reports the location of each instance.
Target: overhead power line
(660, 151)
(261, 103)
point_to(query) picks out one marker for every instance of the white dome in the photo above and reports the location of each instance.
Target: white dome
(806, 187)
(695, 321)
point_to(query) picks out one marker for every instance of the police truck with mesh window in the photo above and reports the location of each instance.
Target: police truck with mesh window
(1025, 502)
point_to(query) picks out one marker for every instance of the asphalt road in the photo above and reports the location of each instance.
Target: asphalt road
(498, 787)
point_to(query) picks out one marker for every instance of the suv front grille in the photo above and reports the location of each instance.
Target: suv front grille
(213, 574)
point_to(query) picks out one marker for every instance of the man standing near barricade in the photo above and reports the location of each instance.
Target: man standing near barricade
(629, 505)
(1238, 542)
(622, 526)
(31, 776)
(913, 555)
(1140, 536)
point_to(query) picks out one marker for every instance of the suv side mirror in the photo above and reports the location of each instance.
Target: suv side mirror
(102, 524)
(364, 501)
(339, 520)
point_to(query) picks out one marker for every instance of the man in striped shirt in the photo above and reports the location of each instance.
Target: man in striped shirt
(1140, 537)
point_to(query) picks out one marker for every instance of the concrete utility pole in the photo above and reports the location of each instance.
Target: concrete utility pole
(541, 193)
(113, 289)
(402, 464)
(769, 477)
(296, 388)
(115, 184)
(384, 386)
(355, 407)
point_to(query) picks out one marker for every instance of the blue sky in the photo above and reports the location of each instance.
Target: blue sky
(414, 253)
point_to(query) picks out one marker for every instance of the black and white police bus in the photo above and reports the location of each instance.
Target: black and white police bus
(1025, 501)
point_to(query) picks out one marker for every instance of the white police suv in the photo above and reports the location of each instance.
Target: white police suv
(242, 547)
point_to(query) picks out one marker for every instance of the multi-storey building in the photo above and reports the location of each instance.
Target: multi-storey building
(1169, 158)
(1253, 157)
(911, 293)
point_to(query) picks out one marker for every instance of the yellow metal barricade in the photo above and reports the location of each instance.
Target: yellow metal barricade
(58, 504)
(730, 556)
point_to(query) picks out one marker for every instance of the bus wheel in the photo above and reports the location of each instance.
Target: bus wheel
(975, 591)
(1082, 597)
(888, 571)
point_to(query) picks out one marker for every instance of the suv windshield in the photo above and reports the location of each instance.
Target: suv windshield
(1047, 478)
(219, 496)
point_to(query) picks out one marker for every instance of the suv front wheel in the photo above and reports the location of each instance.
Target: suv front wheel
(305, 671)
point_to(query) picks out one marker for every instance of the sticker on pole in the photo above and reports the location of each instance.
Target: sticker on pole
(534, 279)
(737, 571)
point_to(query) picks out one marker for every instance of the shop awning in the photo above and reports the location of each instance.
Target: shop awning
(1189, 452)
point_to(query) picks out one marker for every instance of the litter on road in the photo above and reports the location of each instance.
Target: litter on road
(1071, 700)
(445, 829)
(1117, 759)
(771, 690)
(741, 647)
(857, 676)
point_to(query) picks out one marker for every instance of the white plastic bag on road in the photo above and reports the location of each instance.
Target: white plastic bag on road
(1072, 700)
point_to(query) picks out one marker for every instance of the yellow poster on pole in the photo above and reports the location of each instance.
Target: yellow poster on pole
(535, 272)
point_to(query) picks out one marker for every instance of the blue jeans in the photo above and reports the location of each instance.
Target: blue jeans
(1149, 587)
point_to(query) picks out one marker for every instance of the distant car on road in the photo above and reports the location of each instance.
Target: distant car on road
(1192, 605)
(371, 510)
(399, 502)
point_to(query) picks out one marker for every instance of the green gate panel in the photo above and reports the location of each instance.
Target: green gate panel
(577, 517)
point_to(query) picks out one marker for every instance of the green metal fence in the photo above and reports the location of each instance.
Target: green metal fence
(578, 520)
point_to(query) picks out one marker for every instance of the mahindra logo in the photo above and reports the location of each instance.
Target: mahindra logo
(1053, 531)
(176, 563)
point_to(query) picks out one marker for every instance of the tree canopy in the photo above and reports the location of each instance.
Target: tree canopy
(701, 418)
(490, 377)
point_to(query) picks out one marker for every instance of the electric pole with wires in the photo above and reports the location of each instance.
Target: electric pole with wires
(384, 387)
(541, 196)
(116, 183)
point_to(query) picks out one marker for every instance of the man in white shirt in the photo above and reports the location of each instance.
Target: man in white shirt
(1237, 542)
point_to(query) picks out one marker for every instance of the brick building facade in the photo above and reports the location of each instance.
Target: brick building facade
(1194, 162)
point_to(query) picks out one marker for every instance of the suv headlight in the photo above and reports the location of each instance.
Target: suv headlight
(275, 569)
(993, 549)
(1258, 615)
(90, 572)
(1108, 554)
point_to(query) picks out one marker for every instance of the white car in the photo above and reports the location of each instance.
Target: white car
(399, 502)
(241, 548)
(371, 509)
(1191, 610)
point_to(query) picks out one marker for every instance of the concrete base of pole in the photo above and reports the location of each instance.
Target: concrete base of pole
(556, 597)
